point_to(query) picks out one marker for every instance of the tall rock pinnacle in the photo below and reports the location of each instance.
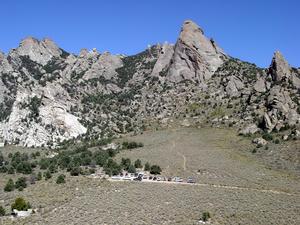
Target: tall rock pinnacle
(195, 57)
(279, 67)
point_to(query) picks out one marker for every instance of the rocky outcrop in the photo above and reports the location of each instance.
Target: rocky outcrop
(48, 95)
(105, 67)
(161, 66)
(50, 124)
(5, 67)
(259, 141)
(38, 51)
(250, 129)
(195, 57)
(279, 69)
(234, 86)
(281, 106)
(260, 85)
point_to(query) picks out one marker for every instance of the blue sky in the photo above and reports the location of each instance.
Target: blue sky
(249, 30)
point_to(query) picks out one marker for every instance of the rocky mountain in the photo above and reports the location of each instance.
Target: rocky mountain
(48, 95)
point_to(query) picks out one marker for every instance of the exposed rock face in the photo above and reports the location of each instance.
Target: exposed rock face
(163, 61)
(39, 51)
(5, 67)
(48, 95)
(234, 86)
(105, 66)
(195, 57)
(280, 68)
(260, 85)
(52, 123)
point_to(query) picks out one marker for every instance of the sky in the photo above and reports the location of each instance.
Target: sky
(249, 30)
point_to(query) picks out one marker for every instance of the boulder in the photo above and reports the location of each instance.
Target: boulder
(250, 129)
(185, 123)
(285, 137)
(260, 85)
(22, 213)
(234, 86)
(259, 141)
(268, 123)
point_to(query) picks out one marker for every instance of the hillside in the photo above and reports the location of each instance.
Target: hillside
(48, 95)
(231, 184)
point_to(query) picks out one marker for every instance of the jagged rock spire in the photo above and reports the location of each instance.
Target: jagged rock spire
(195, 57)
(279, 68)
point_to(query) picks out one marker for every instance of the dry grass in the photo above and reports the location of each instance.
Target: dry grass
(214, 151)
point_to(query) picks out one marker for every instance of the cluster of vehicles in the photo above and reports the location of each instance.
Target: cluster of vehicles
(146, 177)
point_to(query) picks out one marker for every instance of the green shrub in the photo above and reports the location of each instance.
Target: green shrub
(75, 171)
(61, 179)
(138, 163)
(3, 169)
(155, 169)
(206, 216)
(131, 145)
(20, 204)
(277, 141)
(125, 163)
(21, 183)
(39, 176)
(101, 158)
(33, 106)
(147, 166)
(112, 167)
(267, 136)
(92, 170)
(47, 175)
(131, 169)
(2, 211)
(10, 186)
(24, 167)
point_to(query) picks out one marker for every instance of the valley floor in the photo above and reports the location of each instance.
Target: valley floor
(233, 186)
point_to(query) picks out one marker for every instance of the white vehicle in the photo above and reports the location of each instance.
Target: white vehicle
(178, 179)
(116, 178)
(128, 178)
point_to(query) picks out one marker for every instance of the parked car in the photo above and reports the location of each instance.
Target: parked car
(116, 177)
(145, 177)
(191, 180)
(154, 178)
(170, 179)
(178, 179)
(158, 179)
(150, 178)
(138, 179)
